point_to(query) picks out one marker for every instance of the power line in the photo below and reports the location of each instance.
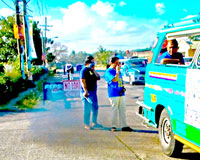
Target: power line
(46, 8)
(41, 4)
(37, 2)
(7, 5)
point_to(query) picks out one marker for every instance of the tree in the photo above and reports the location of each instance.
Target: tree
(76, 58)
(8, 44)
(60, 52)
(50, 57)
(37, 43)
(101, 49)
(103, 56)
(195, 38)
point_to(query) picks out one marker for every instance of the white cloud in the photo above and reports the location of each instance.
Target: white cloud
(122, 3)
(6, 12)
(84, 28)
(116, 25)
(185, 10)
(160, 8)
(103, 9)
(189, 16)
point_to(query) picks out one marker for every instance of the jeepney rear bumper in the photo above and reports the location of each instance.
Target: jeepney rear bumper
(143, 112)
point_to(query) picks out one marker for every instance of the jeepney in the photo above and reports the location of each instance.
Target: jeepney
(172, 91)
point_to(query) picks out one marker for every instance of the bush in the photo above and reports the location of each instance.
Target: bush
(37, 71)
(11, 82)
(12, 70)
(1, 68)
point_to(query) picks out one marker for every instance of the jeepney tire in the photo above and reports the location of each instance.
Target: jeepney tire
(170, 146)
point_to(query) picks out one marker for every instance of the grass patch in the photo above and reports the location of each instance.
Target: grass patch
(30, 101)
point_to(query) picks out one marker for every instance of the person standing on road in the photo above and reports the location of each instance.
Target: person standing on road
(116, 94)
(70, 71)
(88, 78)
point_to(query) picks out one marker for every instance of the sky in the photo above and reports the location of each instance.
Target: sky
(113, 24)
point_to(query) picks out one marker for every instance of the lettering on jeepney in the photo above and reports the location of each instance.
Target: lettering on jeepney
(196, 20)
(153, 98)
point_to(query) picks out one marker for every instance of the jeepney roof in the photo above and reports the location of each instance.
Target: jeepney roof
(184, 28)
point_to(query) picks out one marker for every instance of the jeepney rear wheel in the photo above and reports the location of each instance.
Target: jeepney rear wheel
(170, 146)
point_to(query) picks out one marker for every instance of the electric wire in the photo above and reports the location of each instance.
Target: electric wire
(38, 5)
(46, 8)
(7, 5)
(41, 5)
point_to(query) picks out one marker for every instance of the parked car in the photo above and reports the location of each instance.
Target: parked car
(133, 70)
(79, 67)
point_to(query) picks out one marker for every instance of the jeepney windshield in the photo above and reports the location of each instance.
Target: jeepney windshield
(155, 43)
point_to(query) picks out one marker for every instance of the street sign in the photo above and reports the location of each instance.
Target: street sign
(71, 88)
(61, 90)
(53, 91)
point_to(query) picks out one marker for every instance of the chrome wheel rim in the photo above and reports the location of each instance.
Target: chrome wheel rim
(166, 131)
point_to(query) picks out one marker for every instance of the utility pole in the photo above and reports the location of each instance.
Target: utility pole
(45, 35)
(19, 45)
(26, 39)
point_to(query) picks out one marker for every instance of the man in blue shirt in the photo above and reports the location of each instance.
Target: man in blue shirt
(116, 94)
(171, 55)
(88, 78)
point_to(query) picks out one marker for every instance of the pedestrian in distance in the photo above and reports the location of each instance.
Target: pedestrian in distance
(88, 78)
(70, 71)
(64, 69)
(116, 95)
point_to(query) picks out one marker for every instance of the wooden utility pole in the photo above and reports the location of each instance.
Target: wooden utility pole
(26, 39)
(18, 23)
(19, 43)
(44, 39)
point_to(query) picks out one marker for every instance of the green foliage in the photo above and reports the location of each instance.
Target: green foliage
(2, 69)
(36, 70)
(195, 38)
(2, 79)
(12, 69)
(50, 57)
(37, 43)
(103, 56)
(29, 101)
(76, 58)
(8, 44)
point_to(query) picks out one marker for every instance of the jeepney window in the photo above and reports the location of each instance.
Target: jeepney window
(170, 53)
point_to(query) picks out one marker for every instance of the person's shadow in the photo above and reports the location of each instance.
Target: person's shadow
(103, 128)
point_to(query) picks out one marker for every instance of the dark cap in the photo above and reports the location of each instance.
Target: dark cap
(89, 58)
(114, 59)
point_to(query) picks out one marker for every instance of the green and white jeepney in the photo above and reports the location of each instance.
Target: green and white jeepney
(172, 91)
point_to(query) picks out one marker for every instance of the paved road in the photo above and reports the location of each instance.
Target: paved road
(57, 133)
